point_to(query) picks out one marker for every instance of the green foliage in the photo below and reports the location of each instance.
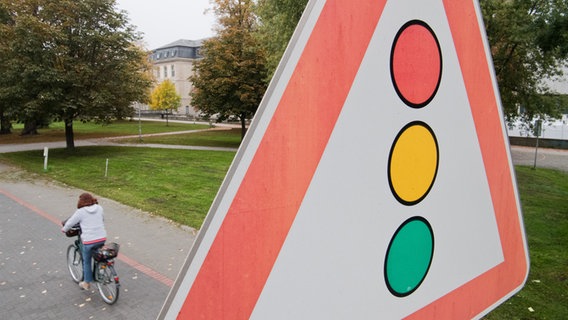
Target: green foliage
(528, 43)
(69, 59)
(165, 97)
(229, 80)
(279, 19)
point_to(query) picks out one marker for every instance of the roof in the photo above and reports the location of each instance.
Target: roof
(183, 43)
(184, 49)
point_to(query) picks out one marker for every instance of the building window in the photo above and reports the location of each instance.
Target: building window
(165, 71)
(172, 71)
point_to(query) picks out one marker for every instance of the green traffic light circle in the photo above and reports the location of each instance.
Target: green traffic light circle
(409, 256)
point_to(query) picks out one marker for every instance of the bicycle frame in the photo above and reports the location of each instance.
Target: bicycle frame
(104, 274)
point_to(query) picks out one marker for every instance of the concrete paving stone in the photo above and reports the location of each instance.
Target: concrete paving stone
(34, 281)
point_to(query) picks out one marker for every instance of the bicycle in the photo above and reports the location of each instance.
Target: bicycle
(104, 274)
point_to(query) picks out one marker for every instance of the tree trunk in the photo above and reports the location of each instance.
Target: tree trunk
(30, 128)
(69, 139)
(5, 125)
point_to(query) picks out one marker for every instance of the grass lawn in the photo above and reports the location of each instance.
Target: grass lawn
(544, 197)
(215, 138)
(177, 184)
(56, 130)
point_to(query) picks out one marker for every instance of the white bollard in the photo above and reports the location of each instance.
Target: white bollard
(45, 156)
(106, 168)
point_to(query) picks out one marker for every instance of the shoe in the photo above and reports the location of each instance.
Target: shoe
(84, 285)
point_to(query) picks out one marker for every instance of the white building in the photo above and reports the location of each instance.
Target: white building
(174, 61)
(560, 84)
(551, 128)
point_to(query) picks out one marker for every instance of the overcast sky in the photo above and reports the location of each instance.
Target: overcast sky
(165, 21)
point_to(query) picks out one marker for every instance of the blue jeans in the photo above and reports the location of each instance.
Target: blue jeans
(87, 260)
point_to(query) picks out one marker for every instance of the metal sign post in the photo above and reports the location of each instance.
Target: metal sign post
(537, 132)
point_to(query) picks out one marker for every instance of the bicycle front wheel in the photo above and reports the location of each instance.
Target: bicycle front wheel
(75, 263)
(107, 283)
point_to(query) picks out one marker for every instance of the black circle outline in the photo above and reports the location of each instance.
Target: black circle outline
(398, 198)
(391, 289)
(399, 33)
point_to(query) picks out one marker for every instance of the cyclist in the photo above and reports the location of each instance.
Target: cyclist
(89, 215)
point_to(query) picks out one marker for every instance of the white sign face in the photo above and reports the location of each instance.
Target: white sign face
(375, 182)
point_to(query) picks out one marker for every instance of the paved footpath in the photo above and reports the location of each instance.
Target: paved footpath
(34, 281)
(545, 158)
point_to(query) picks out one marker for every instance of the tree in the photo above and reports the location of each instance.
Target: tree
(72, 60)
(229, 80)
(278, 20)
(5, 116)
(25, 83)
(165, 97)
(529, 43)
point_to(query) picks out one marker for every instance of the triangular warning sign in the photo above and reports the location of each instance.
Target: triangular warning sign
(375, 180)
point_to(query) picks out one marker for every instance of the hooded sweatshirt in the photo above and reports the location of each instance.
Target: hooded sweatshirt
(92, 223)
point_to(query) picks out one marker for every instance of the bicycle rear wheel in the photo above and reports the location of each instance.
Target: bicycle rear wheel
(107, 283)
(75, 263)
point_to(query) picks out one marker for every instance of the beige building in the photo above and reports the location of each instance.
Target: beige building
(174, 61)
